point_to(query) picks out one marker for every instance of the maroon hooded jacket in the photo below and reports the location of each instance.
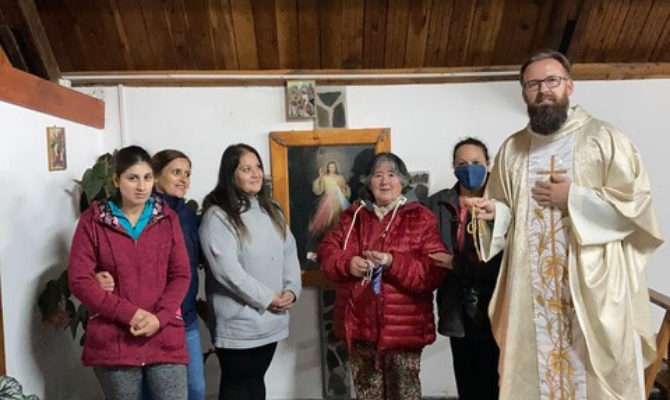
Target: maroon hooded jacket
(152, 273)
(400, 318)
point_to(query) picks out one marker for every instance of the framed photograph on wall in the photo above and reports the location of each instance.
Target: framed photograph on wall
(56, 149)
(300, 100)
(315, 175)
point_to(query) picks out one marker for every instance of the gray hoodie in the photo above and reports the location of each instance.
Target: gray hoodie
(243, 276)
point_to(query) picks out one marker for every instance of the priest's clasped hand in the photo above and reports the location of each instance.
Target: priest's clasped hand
(483, 208)
(553, 192)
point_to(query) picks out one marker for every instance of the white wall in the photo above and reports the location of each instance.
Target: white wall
(38, 217)
(425, 121)
(37, 221)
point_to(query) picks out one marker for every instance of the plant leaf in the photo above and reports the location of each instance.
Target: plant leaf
(109, 187)
(91, 184)
(79, 317)
(49, 300)
(63, 284)
(70, 308)
(10, 389)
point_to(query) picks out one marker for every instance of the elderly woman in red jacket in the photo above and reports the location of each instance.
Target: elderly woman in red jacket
(386, 257)
(136, 331)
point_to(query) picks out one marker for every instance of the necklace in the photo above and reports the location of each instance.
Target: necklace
(475, 227)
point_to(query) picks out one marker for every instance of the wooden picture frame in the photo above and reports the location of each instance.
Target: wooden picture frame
(56, 148)
(300, 100)
(308, 152)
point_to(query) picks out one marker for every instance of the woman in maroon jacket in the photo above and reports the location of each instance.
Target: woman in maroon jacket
(382, 255)
(136, 330)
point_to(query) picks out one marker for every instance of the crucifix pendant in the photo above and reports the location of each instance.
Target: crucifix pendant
(552, 169)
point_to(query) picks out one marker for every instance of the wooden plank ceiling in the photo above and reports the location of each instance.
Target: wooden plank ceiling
(265, 35)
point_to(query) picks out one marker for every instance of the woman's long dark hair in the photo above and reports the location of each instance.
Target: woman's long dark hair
(234, 201)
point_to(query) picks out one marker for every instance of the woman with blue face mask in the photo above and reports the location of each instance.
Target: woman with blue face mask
(465, 294)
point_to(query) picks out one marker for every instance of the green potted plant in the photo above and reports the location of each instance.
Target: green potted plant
(55, 301)
(11, 389)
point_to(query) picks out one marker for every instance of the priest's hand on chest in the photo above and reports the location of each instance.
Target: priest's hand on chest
(552, 192)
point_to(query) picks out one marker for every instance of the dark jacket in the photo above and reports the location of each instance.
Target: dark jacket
(151, 273)
(401, 317)
(188, 221)
(465, 294)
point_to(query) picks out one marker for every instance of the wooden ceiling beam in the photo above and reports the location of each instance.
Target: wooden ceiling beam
(40, 42)
(357, 77)
(620, 71)
(29, 91)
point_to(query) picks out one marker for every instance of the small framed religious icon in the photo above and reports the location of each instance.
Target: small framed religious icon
(300, 100)
(56, 148)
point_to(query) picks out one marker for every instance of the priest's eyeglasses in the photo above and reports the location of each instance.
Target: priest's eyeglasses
(550, 81)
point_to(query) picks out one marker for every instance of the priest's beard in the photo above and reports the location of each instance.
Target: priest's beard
(547, 119)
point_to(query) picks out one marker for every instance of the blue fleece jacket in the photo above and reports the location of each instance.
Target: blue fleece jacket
(188, 221)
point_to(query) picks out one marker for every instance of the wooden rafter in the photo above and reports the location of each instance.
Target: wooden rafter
(26, 90)
(40, 42)
(11, 48)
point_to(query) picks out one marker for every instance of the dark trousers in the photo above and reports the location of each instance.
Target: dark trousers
(243, 372)
(476, 367)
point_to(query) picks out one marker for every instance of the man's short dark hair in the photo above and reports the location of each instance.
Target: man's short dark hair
(546, 55)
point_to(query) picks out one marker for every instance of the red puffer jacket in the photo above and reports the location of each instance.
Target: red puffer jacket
(152, 273)
(401, 316)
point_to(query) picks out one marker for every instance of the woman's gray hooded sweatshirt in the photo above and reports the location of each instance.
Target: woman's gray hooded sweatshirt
(244, 275)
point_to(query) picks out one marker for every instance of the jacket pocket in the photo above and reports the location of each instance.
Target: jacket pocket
(173, 335)
(250, 324)
(102, 335)
(226, 308)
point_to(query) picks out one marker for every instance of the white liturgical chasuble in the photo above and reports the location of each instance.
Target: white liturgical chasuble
(571, 299)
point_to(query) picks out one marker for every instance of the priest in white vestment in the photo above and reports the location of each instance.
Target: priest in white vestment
(568, 200)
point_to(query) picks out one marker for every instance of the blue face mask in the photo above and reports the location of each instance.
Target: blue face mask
(470, 176)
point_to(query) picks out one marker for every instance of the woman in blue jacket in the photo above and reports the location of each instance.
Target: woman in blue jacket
(173, 179)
